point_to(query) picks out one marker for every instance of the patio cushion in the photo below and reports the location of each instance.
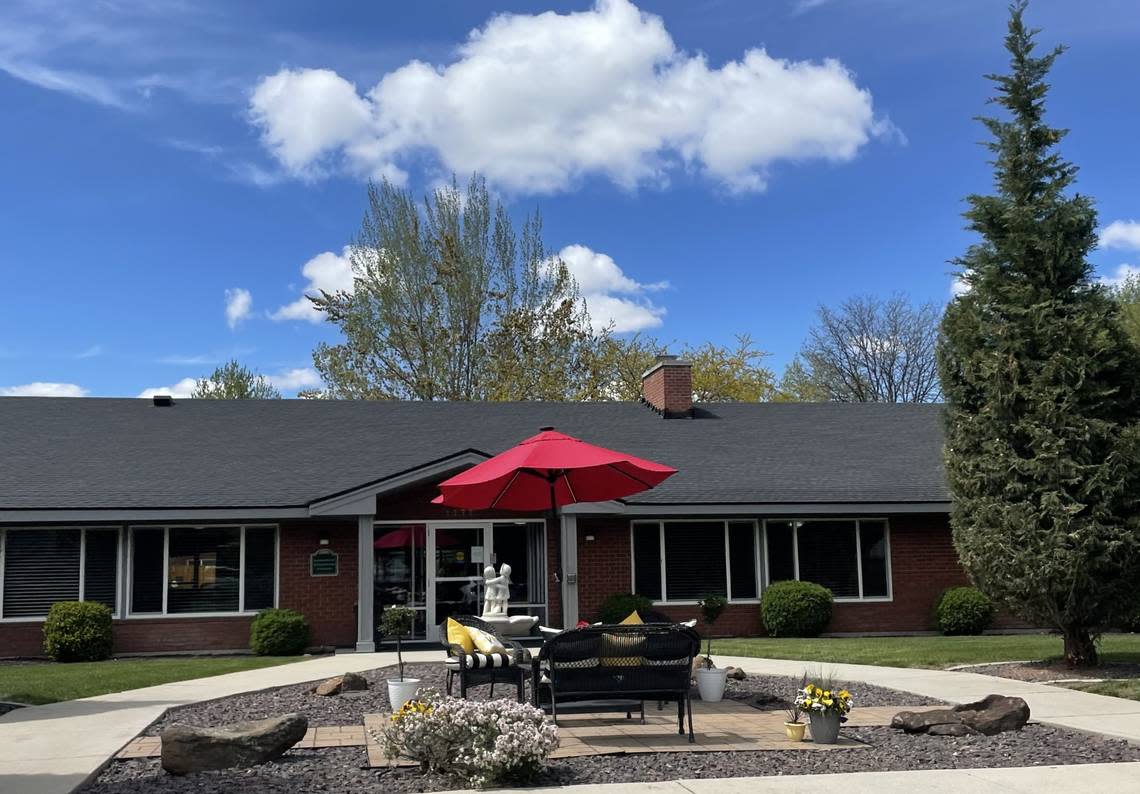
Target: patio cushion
(632, 619)
(622, 650)
(478, 661)
(484, 642)
(457, 635)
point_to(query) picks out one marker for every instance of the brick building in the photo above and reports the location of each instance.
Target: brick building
(187, 517)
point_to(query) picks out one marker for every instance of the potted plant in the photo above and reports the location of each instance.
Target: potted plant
(794, 727)
(710, 680)
(397, 622)
(826, 708)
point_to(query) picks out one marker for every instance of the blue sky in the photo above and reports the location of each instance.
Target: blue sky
(176, 174)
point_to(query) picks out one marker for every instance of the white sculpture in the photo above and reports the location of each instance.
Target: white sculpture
(496, 597)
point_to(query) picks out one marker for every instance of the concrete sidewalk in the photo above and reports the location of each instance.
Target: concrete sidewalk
(52, 749)
(1052, 705)
(1016, 780)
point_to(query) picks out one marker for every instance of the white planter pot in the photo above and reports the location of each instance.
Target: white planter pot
(400, 691)
(711, 683)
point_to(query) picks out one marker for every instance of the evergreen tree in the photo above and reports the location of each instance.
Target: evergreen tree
(232, 381)
(1042, 450)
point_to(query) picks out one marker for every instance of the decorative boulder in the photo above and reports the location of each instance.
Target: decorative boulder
(353, 682)
(991, 715)
(329, 687)
(736, 674)
(187, 749)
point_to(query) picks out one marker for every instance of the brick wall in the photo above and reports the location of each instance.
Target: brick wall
(329, 602)
(923, 564)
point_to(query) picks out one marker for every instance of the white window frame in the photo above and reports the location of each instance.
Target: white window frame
(117, 610)
(164, 614)
(757, 538)
(859, 599)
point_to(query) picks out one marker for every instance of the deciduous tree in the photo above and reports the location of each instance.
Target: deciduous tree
(232, 381)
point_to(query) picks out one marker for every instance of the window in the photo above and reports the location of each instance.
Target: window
(42, 566)
(685, 560)
(848, 557)
(202, 569)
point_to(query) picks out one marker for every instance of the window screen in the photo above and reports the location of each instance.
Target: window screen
(147, 579)
(742, 558)
(101, 566)
(781, 559)
(873, 552)
(694, 559)
(827, 556)
(41, 567)
(647, 560)
(260, 564)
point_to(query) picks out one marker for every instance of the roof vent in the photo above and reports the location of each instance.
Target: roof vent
(163, 401)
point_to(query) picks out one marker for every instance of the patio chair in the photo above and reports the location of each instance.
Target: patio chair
(474, 669)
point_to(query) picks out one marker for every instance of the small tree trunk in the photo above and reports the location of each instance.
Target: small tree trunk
(1080, 650)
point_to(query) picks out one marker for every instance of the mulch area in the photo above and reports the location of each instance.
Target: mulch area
(1042, 672)
(344, 770)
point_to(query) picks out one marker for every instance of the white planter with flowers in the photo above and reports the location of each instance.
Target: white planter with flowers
(397, 622)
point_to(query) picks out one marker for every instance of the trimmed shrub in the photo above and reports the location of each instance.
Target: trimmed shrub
(963, 610)
(279, 632)
(795, 609)
(78, 631)
(617, 607)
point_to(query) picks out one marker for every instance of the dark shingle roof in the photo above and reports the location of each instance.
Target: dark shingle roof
(126, 453)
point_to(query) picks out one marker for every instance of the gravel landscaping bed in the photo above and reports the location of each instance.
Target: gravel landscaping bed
(1056, 671)
(343, 770)
(771, 692)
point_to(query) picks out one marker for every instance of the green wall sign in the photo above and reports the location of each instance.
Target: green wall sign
(324, 562)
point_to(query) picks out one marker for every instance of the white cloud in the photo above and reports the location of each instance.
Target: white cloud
(92, 352)
(294, 379)
(182, 389)
(41, 389)
(610, 295)
(326, 271)
(958, 286)
(537, 102)
(238, 304)
(1121, 234)
(1123, 273)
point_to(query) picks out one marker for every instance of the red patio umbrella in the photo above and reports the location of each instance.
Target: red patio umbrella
(547, 471)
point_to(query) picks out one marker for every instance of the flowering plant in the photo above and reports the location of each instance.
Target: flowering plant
(823, 700)
(486, 743)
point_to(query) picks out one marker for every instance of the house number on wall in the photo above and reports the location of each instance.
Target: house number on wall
(324, 563)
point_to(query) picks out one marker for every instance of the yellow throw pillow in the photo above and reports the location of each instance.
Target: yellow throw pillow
(633, 619)
(484, 642)
(457, 635)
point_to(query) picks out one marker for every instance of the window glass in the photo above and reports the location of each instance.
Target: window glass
(101, 566)
(742, 558)
(827, 556)
(781, 559)
(203, 571)
(873, 551)
(260, 563)
(41, 566)
(147, 580)
(647, 560)
(694, 559)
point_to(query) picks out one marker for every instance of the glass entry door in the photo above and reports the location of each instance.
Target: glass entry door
(458, 555)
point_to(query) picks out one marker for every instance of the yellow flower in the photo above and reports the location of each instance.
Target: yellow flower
(828, 702)
(827, 693)
(843, 693)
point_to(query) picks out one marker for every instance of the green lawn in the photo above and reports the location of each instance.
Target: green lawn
(46, 682)
(932, 651)
(1123, 688)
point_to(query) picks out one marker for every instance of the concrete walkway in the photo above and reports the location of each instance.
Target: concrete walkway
(52, 749)
(1018, 780)
(1052, 705)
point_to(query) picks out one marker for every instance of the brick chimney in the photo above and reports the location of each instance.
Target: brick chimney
(667, 387)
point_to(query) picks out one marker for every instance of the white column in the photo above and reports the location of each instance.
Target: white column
(569, 542)
(365, 565)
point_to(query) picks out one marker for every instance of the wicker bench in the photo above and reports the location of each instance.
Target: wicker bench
(617, 663)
